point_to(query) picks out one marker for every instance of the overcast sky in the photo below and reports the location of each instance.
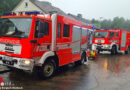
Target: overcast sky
(95, 8)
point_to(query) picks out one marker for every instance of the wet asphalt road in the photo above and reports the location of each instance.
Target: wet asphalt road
(107, 72)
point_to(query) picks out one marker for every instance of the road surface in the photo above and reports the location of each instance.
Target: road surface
(107, 72)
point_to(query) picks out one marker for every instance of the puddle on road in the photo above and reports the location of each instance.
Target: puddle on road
(112, 72)
(68, 78)
(114, 63)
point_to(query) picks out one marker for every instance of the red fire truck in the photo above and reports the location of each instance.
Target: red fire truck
(41, 43)
(114, 40)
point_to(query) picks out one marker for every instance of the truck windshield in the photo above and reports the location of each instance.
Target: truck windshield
(101, 34)
(15, 27)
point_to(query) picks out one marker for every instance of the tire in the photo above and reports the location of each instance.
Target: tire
(83, 59)
(98, 52)
(114, 50)
(127, 52)
(48, 69)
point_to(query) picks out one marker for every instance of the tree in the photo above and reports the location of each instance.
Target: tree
(7, 5)
(118, 23)
(106, 24)
(126, 25)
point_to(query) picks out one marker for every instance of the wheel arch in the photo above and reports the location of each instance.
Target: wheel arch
(55, 58)
(49, 55)
(113, 44)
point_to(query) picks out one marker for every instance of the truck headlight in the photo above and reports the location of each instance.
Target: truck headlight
(26, 62)
(103, 41)
(106, 46)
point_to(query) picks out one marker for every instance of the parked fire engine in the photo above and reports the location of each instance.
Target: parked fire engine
(41, 43)
(114, 40)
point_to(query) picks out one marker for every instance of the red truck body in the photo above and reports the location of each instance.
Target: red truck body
(29, 41)
(113, 40)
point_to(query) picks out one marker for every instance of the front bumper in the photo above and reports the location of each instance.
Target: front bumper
(101, 47)
(19, 63)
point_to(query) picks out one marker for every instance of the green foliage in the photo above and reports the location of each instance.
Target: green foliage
(116, 23)
(97, 25)
(7, 5)
(106, 24)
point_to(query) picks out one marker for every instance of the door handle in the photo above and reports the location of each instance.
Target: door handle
(68, 45)
(48, 46)
(38, 44)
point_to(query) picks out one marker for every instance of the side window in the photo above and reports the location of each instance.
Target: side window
(66, 30)
(59, 30)
(26, 4)
(116, 34)
(42, 28)
(111, 34)
(84, 32)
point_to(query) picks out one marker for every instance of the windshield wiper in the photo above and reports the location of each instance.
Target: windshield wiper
(17, 36)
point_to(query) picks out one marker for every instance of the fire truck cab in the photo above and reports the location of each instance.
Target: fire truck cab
(41, 43)
(114, 40)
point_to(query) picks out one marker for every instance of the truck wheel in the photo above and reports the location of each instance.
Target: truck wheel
(127, 52)
(48, 69)
(114, 50)
(98, 52)
(82, 61)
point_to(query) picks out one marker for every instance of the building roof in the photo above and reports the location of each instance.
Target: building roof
(47, 7)
(80, 18)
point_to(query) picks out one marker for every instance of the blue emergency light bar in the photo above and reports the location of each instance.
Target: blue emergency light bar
(8, 14)
(22, 13)
(93, 27)
(32, 13)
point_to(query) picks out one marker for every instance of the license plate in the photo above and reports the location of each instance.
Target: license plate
(7, 58)
(99, 41)
(8, 62)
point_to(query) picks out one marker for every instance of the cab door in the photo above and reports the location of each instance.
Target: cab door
(113, 38)
(42, 37)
